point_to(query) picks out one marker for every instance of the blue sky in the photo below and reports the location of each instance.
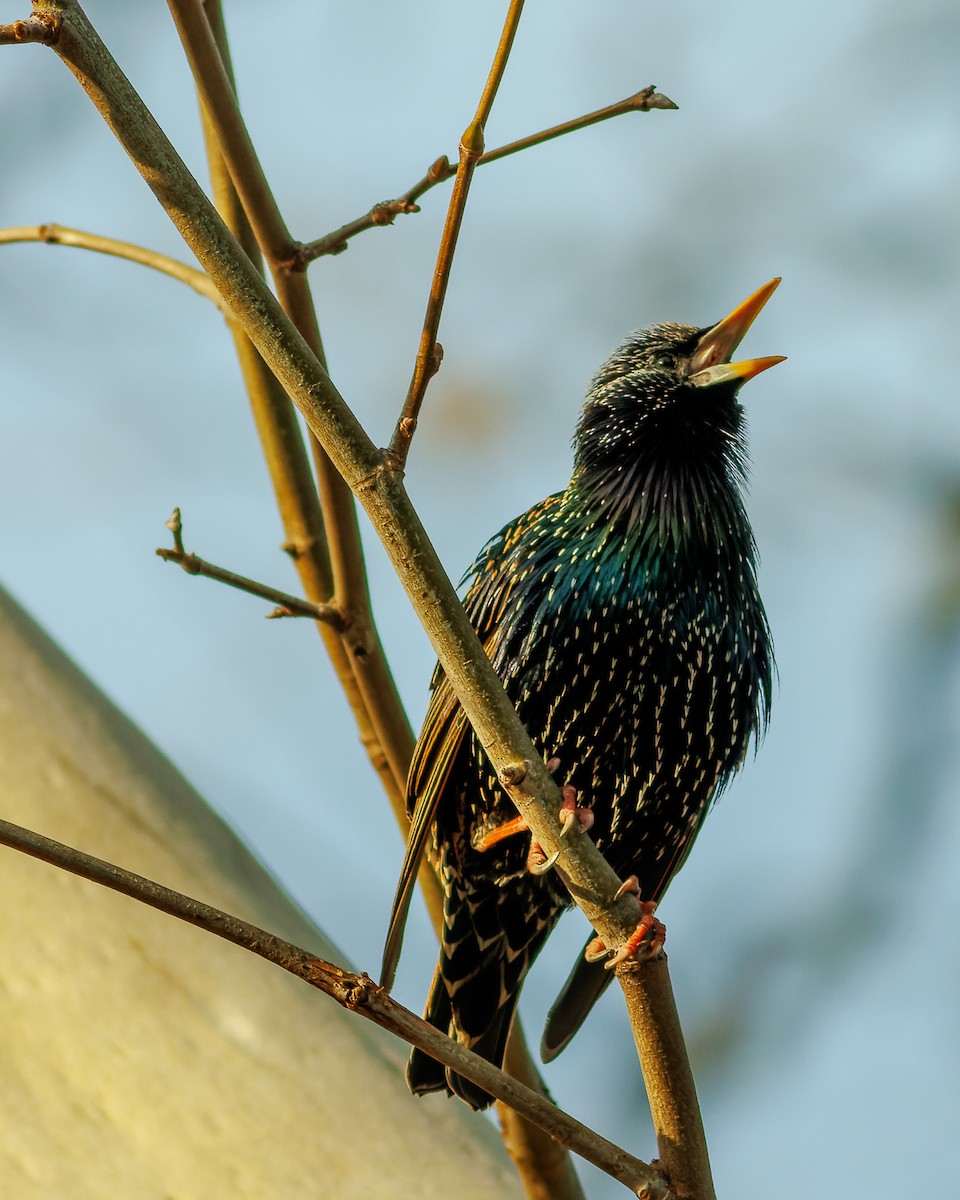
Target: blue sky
(811, 935)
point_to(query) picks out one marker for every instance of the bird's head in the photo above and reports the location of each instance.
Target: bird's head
(665, 402)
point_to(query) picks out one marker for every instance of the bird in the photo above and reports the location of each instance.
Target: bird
(624, 619)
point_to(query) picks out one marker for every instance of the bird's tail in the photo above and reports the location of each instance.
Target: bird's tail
(425, 1074)
(585, 985)
(490, 941)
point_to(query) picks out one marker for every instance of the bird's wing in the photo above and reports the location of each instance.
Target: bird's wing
(440, 740)
(494, 576)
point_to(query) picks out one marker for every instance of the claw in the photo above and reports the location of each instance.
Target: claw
(537, 861)
(645, 942)
(630, 886)
(596, 950)
(573, 814)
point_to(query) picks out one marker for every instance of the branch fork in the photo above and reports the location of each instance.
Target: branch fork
(287, 605)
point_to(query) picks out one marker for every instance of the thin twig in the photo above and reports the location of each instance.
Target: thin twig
(384, 213)
(40, 28)
(287, 605)
(429, 352)
(219, 98)
(61, 235)
(381, 214)
(645, 100)
(357, 993)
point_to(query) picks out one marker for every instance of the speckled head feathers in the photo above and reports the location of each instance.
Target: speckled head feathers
(662, 426)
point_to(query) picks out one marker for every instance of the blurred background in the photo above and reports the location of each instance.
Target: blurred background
(812, 935)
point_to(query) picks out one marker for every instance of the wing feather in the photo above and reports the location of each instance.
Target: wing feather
(440, 740)
(494, 575)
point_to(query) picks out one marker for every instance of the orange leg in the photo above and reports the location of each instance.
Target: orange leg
(507, 829)
(645, 942)
(572, 816)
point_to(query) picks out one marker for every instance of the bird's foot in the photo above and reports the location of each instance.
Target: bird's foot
(645, 942)
(538, 862)
(517, 824)
(572, 814)
(507, 829)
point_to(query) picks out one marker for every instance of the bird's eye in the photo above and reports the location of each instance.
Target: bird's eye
(666, 361)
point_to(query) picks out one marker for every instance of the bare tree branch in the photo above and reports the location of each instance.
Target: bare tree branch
(61, 235)
(216, 88)
(381, 214)
(358, 993)
(669, 1081)
(288, 606)
(385, 212)
(544, 1167)
(202, 34)
(355, 651)
(471, 147)
(40, 28)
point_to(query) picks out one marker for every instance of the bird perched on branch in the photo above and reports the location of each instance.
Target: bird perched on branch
(623, 617)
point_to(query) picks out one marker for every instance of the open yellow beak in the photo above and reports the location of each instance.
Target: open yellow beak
(710, 362)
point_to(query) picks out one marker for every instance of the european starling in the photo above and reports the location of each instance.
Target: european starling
(624, 619)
